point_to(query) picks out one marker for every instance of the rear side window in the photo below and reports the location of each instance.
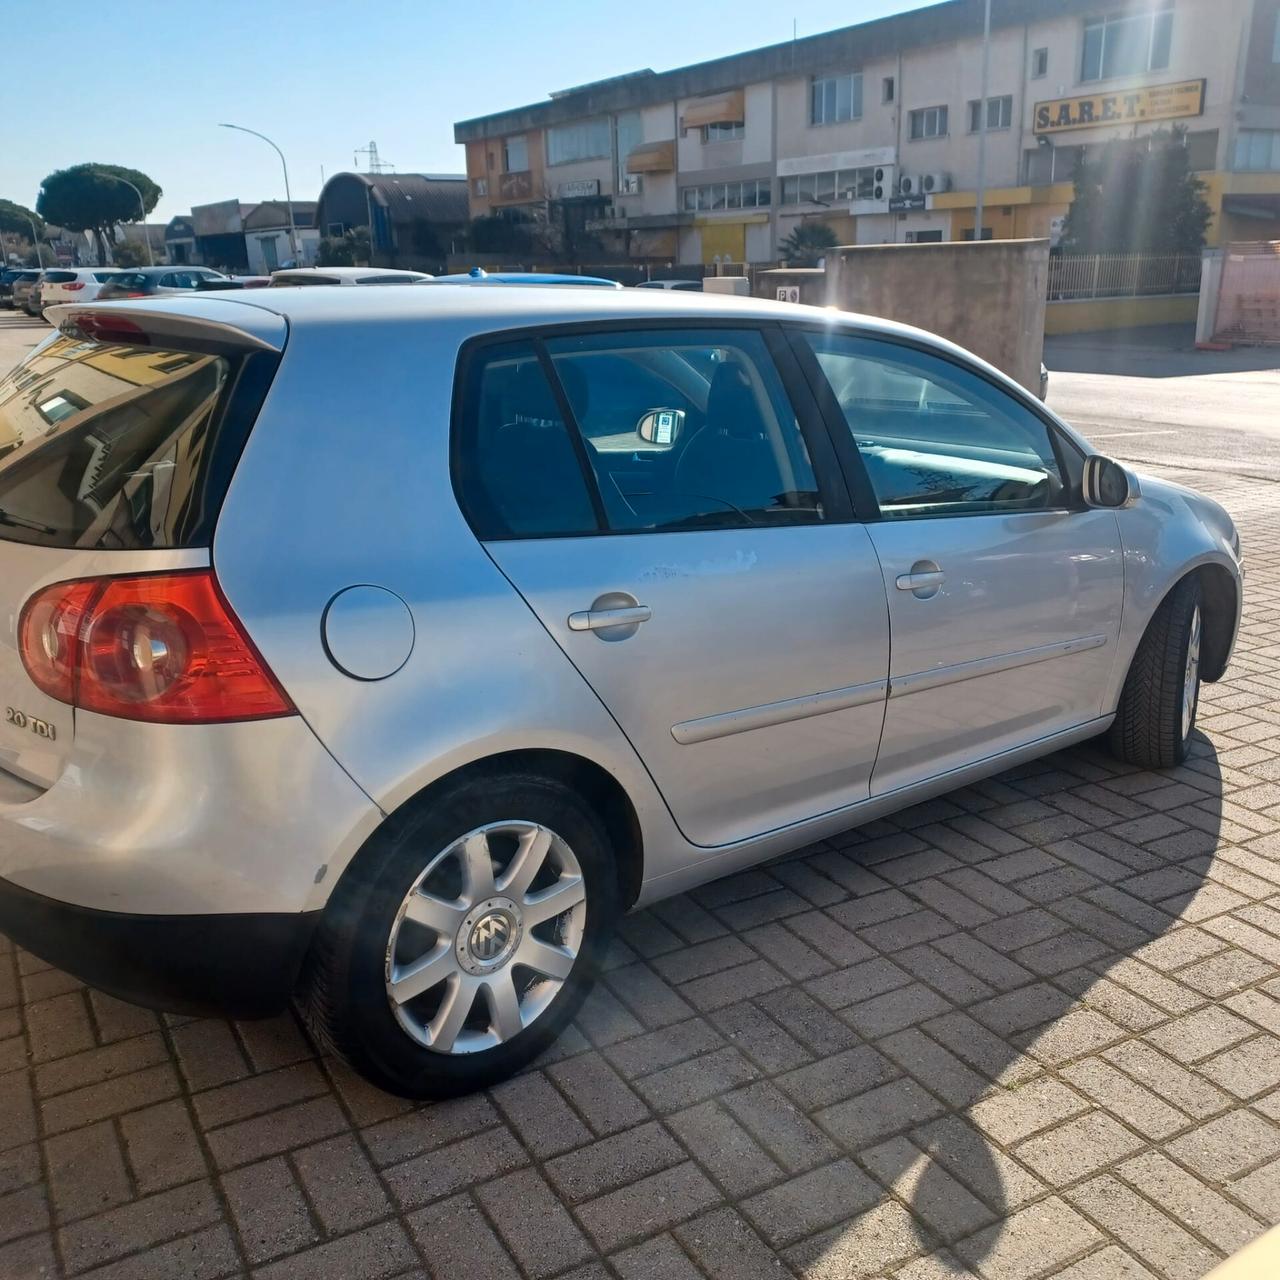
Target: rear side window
(516, 467)
(630, 432)
(110, 445)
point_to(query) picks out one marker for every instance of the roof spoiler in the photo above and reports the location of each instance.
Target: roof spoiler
(209, 325)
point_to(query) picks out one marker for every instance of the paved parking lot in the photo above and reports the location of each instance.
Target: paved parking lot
(1029, 1029)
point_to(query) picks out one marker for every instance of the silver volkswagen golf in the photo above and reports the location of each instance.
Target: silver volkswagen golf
(376, 648)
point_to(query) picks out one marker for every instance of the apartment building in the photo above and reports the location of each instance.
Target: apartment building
(874, 129)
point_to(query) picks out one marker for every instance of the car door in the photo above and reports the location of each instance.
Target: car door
(1004, 590)
(680, 528)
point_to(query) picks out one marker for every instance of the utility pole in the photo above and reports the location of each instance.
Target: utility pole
(982, 121)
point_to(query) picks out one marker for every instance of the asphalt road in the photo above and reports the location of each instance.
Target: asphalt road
(1150, 397)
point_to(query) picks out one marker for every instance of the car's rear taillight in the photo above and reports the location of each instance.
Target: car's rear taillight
(74, 287)
(162, 647)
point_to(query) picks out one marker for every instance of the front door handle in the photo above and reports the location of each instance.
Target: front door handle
(604, 619)
(924, 580)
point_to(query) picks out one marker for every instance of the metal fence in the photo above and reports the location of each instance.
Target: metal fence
(1122, 275)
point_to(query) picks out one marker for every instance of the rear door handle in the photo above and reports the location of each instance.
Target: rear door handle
(914, 581)
(603, 619)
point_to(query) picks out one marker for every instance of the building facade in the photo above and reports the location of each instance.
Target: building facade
(414, 220)
(875, 130)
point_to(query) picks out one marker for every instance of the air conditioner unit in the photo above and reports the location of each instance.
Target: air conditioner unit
(908, 185)
(884, 180)
(930, 182)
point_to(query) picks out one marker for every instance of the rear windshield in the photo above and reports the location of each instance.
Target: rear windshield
(102, 276)
(129, 279)
(115, 446)
(58, 277)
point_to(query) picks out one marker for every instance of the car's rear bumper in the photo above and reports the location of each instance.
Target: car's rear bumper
(241, 965)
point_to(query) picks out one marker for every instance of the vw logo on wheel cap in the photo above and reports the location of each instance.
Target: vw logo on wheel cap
(491, 935)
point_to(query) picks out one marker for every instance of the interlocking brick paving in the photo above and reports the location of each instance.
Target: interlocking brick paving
(1028, 1029)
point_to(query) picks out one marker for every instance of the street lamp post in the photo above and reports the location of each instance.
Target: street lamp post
(142, 209)
(288, 199)
(35, 240)
(982, 123)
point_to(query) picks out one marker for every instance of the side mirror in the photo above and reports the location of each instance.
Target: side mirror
(661, 427)
(1107, 484)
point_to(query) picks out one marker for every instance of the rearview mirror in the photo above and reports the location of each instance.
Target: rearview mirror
(1107, 484)
(661, 427)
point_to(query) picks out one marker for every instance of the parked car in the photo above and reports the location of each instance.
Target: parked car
(233, 282)
(344, 276)
(73, 284)
(7, 279)
(478, 275)
(31, 302)
(619, 593)
(680, 286)
(22, 285)
(150, 282)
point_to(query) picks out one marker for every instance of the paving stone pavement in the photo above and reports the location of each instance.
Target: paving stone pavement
(1029, 1029)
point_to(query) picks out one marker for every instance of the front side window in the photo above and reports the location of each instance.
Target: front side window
(1124, 44)
(669, 430)
(515, 154)
(928, 122)
(582, 140)
(836, 99)
(999, 114)
(936, 439)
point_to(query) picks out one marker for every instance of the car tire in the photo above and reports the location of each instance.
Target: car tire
(409, 869)
(1157, 711)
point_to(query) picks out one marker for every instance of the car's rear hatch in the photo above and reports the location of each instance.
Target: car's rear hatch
(118, 437)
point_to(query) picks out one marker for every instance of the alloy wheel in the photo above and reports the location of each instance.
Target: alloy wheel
(1191, 676)
(486, 937)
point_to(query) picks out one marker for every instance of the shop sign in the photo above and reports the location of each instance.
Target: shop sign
(1121, 106)
(580, 189)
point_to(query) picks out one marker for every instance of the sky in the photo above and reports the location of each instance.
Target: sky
(323, 77)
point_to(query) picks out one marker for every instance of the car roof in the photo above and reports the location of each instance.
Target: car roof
(472, 310)
(528, 277)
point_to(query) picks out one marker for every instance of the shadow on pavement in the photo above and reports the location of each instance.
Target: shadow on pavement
(953, 1171)
(1160, 351)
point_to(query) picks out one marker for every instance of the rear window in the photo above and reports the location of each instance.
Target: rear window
(108, 445)
(103, 276)
(59, 277)
(129, 279)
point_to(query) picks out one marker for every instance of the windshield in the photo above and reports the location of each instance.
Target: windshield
(107, 445)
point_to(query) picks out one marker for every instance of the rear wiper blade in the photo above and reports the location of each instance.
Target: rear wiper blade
(21, 522)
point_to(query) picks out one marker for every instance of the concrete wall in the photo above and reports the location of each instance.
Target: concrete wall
(988, 297)
(1085, 315)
